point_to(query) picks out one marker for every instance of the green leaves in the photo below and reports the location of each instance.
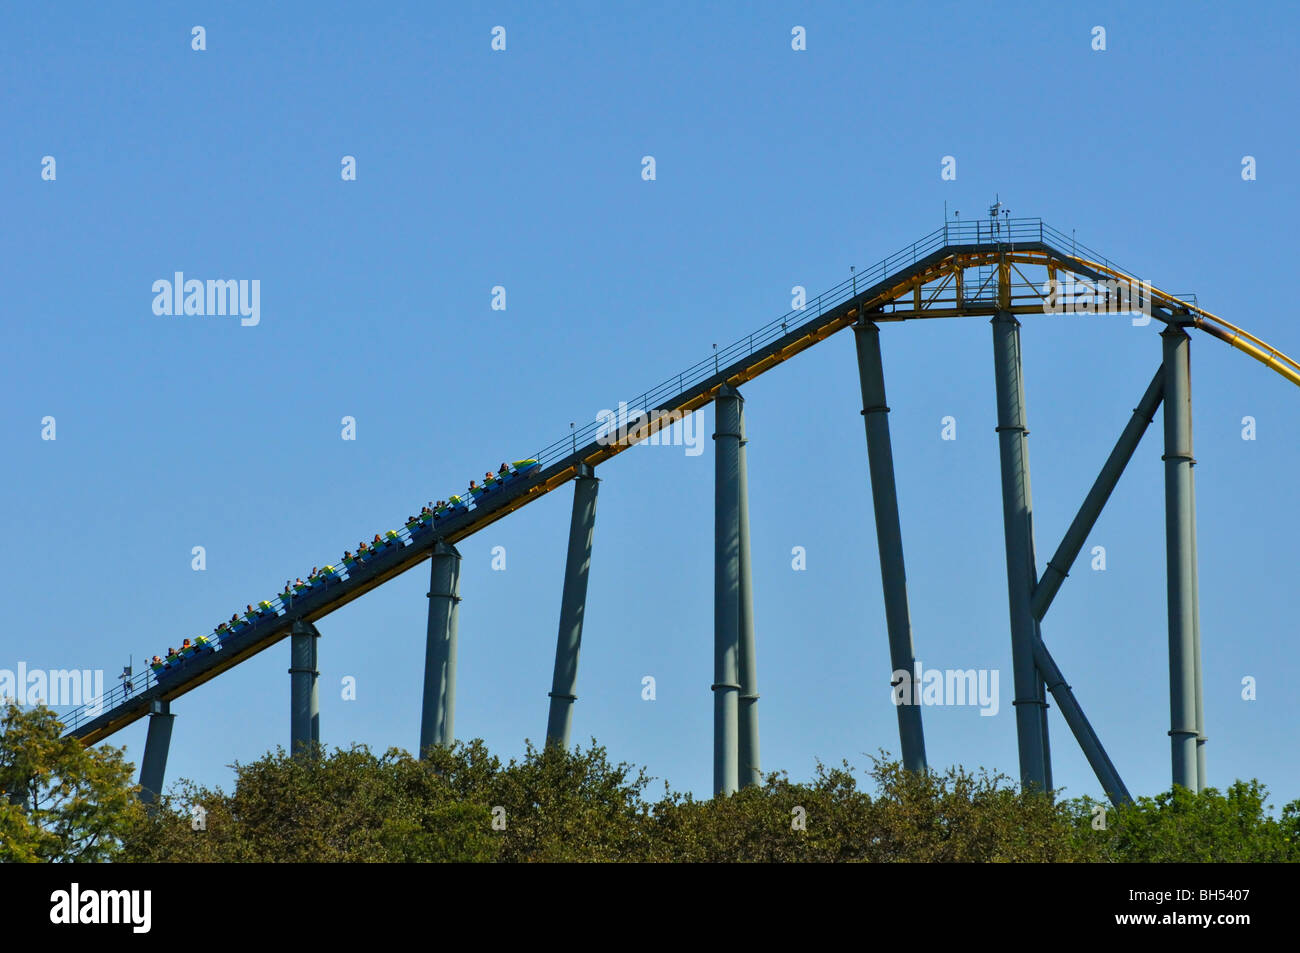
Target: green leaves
(61, 802)
(1222, 827)
(464, 805)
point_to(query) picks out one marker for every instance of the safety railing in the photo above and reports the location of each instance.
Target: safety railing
(953, 233)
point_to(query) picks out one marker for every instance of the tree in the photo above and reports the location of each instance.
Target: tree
(461, 803)
(61, 802)
(1233, 826)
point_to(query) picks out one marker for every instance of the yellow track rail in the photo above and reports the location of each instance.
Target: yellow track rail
(1216, 326)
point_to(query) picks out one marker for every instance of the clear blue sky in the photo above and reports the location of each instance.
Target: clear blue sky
(522, 168)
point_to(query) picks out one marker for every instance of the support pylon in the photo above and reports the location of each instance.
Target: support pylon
(304, 721)
(726, 591)
(573, 607)
(889, 538)
(438, 713)
(1018, 528)
(156, 744)
(1180, 563)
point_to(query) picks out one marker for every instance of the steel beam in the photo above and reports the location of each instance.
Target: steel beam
(156, 745)
(726, 591)
(438, 714)
(304, 714)
(1201, 781)
(1079, 725)
(1018, 525)
(1041, 689)
(1179, 558)
(573, 607)
(889, 538)
(1058, 567)
(748, 771)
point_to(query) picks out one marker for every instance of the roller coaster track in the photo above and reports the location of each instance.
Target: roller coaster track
(932, 278)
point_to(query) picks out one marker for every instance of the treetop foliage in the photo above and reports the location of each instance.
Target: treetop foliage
(61, 802)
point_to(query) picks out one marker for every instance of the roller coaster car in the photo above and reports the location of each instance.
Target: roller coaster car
(327, 577)
(499, 481)
(421, 526)
(176, 661)
(229, 633)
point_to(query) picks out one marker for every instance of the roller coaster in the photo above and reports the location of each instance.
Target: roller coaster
(1000, 268)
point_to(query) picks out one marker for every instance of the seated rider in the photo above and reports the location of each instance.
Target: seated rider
(504, 469)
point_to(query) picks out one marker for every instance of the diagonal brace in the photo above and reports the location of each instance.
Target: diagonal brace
(1079, 725)
(1058, 567)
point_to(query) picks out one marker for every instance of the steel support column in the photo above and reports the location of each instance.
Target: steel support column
(573, 607)
(726, 590)
(438, 714)
(1017, 513)
(1180, 564)
(889, 538)
(156, 745)
(304, 703)
(748, 771)
(1201, 782)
